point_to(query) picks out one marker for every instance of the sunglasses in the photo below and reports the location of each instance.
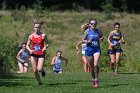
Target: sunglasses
(93, 23)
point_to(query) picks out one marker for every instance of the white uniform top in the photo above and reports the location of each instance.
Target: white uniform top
(84, 47)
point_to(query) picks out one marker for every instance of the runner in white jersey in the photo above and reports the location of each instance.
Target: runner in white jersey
(83, 45)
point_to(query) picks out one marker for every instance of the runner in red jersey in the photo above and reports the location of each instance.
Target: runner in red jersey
(37, 50)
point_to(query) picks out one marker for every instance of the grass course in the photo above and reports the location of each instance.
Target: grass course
(71, 83)
(63, 30)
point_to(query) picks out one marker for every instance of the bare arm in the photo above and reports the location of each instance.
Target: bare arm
(84, 37)
(66, 60)
(53, 61)
(108, 39)
(28, 44)
(18, 54)
(101, 36)
(110, 44)
(122, 39)
(46, 42)
(78, 45)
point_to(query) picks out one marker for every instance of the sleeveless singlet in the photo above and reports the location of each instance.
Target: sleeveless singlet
(37, 45)
(94, 36)
(24, 55)
(58, 65)
(115, 37)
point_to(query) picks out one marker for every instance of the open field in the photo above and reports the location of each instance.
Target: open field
(63, 31)
(72, 83)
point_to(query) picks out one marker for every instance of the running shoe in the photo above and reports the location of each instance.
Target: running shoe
(39, 83)
(93, 83)
(96, 84)
(43, 73)
(115, 73)
(60, 72)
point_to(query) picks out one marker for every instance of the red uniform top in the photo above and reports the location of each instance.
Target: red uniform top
(37, 45)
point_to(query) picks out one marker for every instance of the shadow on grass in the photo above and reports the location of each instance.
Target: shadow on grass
(68, 83)
(11, 84)
(128, 73)
(115, 85)
(16, 76)
(14, 80)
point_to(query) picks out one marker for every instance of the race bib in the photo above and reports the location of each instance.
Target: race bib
(57, 66)
(37, 48)
(115, 43)
(84, 46)
(94, 43)
(83, 52)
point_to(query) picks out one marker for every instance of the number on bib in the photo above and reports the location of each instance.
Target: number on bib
(37, 48)
(94, 43)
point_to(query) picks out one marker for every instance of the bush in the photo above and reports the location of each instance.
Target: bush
(37, 6)
(108, 9)
(20, 15)
(7, 55)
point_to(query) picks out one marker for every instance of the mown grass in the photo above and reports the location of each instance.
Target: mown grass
(72, 83)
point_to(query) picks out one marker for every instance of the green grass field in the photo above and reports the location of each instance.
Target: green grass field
(63, 31)
(72, 83)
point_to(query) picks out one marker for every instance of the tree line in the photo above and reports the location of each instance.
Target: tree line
(119, 5)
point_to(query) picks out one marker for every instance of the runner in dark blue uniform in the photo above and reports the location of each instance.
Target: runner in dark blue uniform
(93, 38)
(115, 39)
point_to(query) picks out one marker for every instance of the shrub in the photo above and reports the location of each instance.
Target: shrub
(108, 9)
(7, 55)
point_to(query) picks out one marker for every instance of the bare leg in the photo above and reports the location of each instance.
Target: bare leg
(25, 67)
(34, 67)
(96, 68)
(89, 68)
(117, 61)
(112, 58)
(21, 68)
(84, 63)
(40, 66)
(90, 60)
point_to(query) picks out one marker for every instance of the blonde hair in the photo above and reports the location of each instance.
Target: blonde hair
(85, 26)
(37, 21)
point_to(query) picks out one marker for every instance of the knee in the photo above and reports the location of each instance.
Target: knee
(85, 62)
(25, 71)
(34, 70)
(96, 66)
(113, 61)
(39, 69)
(117, 61)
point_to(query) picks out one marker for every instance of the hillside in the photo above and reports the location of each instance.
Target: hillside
(63, 31)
